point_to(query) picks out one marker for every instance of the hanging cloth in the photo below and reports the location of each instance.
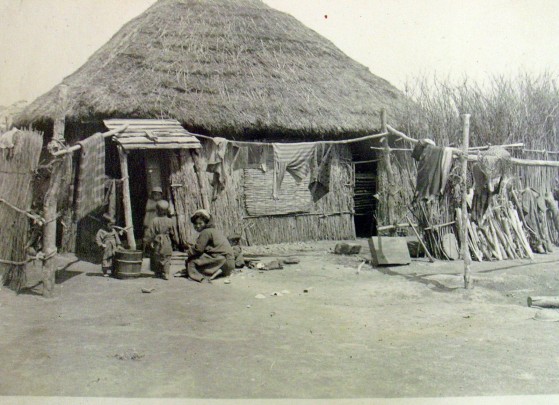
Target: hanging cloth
(292, 158)
(446, 164)
(432, 171)
(216, 165)
(321, 164)
(91, 177)
(251, 157)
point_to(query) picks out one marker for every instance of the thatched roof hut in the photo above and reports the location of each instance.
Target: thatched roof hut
(236, 69)
(233, 67)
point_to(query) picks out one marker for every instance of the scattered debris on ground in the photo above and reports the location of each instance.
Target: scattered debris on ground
(129, 355)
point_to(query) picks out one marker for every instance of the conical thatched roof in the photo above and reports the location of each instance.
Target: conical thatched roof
(224, 66)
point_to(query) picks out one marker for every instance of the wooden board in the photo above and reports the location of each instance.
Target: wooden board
(152, 134)
(450, 246)
(389, 251)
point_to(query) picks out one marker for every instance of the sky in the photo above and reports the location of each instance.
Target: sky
(42, 41)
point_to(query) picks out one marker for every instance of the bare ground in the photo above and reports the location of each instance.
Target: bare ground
(390, 332)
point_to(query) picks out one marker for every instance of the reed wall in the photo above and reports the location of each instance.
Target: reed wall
(18, 166)
(329, 218)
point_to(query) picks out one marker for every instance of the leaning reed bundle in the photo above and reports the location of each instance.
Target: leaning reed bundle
(405, 171)
(185, 192)
(17, 169)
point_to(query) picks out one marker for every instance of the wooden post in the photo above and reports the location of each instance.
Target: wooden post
(60, 120)
(544, 302)
(49, 229)
(51, 197)
(126, 198)
(464, 247)
(201, 183)
(389, 172)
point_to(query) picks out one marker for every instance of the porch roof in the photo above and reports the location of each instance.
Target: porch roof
(152, 134)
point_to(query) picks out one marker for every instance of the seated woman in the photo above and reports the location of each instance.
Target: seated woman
(212, 254)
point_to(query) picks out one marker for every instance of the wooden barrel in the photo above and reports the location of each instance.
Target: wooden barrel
(128, 263)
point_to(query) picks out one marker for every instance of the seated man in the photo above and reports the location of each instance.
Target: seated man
(212, 254)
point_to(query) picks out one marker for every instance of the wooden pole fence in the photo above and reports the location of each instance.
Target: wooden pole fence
(464, 247)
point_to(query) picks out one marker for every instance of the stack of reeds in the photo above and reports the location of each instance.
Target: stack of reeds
(185, 192)
(405, 171)
(18, 166)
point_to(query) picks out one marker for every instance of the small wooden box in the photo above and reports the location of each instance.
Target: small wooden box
(389, 251)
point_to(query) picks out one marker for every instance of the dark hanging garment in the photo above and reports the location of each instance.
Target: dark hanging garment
(321, 164)
(429, 172)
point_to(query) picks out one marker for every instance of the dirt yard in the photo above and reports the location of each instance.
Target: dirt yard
(390, 332)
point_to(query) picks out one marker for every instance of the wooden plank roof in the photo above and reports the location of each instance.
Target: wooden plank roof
(152, 134)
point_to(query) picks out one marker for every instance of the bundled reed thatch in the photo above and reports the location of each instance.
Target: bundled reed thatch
(224, 67)
(18, 165)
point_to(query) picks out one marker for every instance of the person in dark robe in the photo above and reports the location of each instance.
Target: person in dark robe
(159, 237)
(211, 256)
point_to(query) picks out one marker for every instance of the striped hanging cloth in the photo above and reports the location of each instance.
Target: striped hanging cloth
(91, 176)
(294, 159)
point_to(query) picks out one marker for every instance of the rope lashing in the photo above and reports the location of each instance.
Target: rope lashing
(36, 218)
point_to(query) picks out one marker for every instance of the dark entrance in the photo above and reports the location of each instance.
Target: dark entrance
(147, 169)
(364, 201)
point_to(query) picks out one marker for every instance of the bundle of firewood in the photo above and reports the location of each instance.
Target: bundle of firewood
(499, 233)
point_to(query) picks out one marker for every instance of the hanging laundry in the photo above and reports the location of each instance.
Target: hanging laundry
(420, 147)
(492, 167)
(446, 165)
(216, 165)
(91, 176)
(433, 169)
(292, 158)
(482, 195)
(535, 210)
(321, 164)
(251, 157)
(110, 197)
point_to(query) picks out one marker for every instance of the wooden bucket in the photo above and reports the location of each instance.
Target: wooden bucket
(128, 263)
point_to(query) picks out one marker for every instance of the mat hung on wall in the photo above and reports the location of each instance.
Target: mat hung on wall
(91, 176)
(292, 198)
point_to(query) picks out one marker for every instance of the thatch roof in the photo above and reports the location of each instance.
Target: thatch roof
(228, 66)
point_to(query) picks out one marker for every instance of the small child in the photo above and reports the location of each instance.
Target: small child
(108, 240)
(235, 242)
(212, 254)
(158, 236)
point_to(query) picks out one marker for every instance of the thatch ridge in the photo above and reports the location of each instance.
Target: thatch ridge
(224, 65)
